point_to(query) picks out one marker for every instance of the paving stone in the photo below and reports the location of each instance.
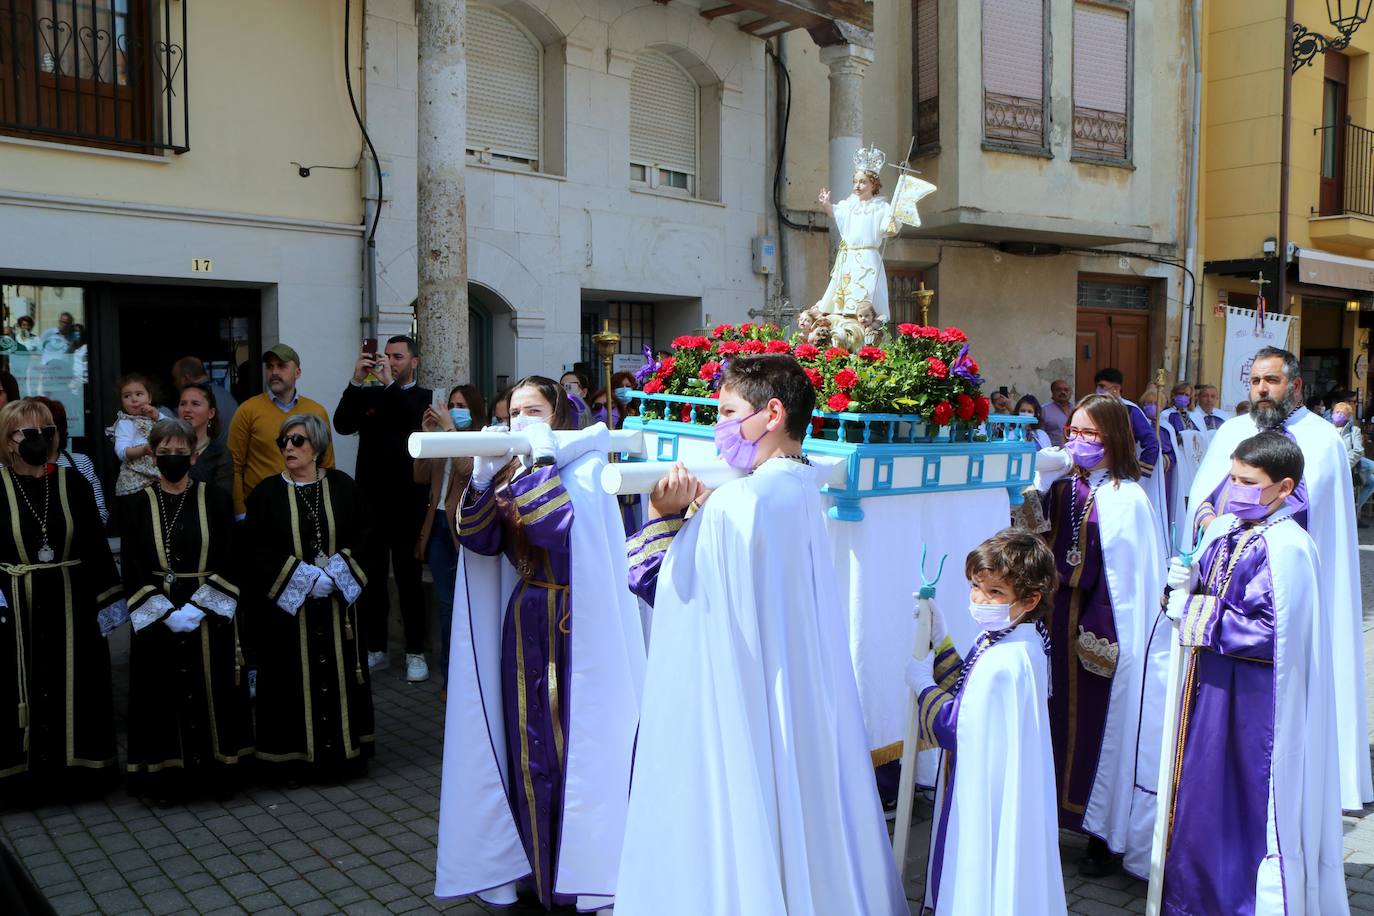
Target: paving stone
(167, 900)
(389, 892)
(145, 886)
(224, 866)
(180, 866)
(296, 892)
(56, 873)
(104, 879)
(73, 904)
(194, 881)
(257, 903)
(244, 885)
(119, 901)
(328, 879)
(210, 898)
(130, 859)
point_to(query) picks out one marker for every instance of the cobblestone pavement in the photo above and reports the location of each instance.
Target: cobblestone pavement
(368, 846)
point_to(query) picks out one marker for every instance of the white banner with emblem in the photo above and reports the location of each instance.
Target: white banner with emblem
(1245, 336)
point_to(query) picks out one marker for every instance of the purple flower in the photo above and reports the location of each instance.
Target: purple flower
(961, 369)
(646, 371)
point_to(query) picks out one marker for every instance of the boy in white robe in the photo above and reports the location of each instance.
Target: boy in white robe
(753, 789)
(994, 841)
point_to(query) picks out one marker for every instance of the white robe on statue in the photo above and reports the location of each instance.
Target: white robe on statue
(858, 276)
(480, 851)
(1001, 847)
(1331, 523)
(753, 789)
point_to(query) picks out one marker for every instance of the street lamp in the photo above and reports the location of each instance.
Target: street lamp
(1345, 15)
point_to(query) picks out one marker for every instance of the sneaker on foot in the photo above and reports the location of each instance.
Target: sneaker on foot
(376, 661)
(416, 669)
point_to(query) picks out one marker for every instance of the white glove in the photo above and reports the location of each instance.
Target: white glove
(1181, 577)
(484, 470)
(572, 446)
(1177, 599)
(920, 673)
(543, 443)
(938, 630)
(184, 619)
(1050, 465)
(323, 586)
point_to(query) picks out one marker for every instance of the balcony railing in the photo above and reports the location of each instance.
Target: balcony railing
(1347, 170)
(1013, 120)
(108, 73)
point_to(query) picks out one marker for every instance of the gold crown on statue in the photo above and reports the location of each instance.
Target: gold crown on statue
(869, 159)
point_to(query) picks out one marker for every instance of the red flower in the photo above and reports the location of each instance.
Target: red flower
(936, 368)
(908, 330)
(846, 379)
(721, 330)
(836, 353)
(685, 414)
(682, 342)
(942, 413)
(838, 401)
(701, 343)
(779, 346)
(927, 332)
(653, 386)
(714, 394)
(708, 371)
(963, 407)
(953, 335)
(981, 407)
(729, 347)
(666, 367)
(817, 380)
(754, 346)
(971, 364)
(872, 354)
(806, 351)
(746, 328)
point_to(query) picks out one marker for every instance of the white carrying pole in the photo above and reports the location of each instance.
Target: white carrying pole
(493, 443)
(640, 477)
(1165, 786)
(906, 789)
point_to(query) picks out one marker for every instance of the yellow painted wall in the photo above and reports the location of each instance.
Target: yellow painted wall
(266, 87)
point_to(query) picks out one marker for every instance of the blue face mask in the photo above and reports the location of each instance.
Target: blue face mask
(462, 417)
(623, 395)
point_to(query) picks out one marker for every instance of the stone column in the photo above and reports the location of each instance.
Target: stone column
(847, 58)
(441, 252)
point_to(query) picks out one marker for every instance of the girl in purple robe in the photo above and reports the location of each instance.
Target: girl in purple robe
(1253, 819)
(525, 514)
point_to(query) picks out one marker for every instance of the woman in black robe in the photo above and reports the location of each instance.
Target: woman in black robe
(314, 694)
(190, 729)
(61, 598)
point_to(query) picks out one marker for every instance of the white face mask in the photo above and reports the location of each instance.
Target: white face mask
(521, 421)
(991, 617)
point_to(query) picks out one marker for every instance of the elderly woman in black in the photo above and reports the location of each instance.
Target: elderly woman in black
(314, 699)
(189, 724)
(61, 597)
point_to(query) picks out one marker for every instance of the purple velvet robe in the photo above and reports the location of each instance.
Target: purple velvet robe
(1079, 696)
(645, 552)
(1212, 421)
(1219, 814)
(534, 651)
(1181, 422)
(1144, 430)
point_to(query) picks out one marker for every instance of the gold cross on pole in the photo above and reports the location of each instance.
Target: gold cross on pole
(1260, 281)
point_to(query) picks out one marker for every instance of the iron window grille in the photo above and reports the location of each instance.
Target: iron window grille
(106, 73)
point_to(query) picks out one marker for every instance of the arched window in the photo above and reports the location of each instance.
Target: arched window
(504, 90)
(664, 121)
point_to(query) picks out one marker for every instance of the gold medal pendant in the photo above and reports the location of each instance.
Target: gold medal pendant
(45, 554)
(1075, 557)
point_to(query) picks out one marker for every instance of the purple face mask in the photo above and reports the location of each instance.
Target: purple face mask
(737, 451)
(1181, 401)
(1339, 419)
(1150, 410)
(1087, 455)
(1246, 502)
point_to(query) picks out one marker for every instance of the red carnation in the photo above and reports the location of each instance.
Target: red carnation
(679, 342)
(953, 335)
(653, 386)
(817, 380)
(942, 413)
(729, 347)
(846, 379)
(666, 367)
(908, 330)
(936, 368)
(838, 401)
(981, 408)
(708, 371)
(779, 346)
(872, 354)
(963, 407)
(746, 328)
(685, 414)
(928, 332)
(721, 330)
(754, 346)
(806, 351)
(836, 353)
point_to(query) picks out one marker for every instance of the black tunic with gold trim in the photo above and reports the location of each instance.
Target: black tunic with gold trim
(314, 696)
(56, 712)
(189, 719)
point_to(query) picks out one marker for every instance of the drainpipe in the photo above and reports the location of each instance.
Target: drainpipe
(1194, 169)
(778, 120)
(1281, 281)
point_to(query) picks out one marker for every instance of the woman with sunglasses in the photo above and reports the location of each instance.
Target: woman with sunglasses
(314, 695)
(1111, 576)
(190, 729)
(61, 598)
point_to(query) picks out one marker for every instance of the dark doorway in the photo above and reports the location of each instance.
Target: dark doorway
(1113, 331)
(1333, 129)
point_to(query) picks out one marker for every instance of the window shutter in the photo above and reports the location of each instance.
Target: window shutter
(663, 114)
(927, 45)
(1014, 71)
(503, 87)
(1101, 55)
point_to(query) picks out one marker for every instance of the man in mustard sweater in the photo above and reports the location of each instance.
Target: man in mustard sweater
(257, 422)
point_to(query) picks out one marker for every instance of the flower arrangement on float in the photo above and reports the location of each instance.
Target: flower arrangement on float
(919, 373)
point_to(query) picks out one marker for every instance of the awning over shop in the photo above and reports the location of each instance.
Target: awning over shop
(1321, 268)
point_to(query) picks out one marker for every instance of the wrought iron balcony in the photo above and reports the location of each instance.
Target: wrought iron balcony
(108, 73)
(1012, 120)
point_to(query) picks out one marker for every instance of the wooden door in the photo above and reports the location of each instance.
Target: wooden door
(1117, 338)
(1334, 106)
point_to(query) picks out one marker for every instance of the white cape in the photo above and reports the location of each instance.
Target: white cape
(479, 846)
(1331, 523)
(1303, 869)
(753, 787)
(1001, 848)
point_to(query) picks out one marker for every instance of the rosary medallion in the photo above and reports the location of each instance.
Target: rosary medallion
(45, 554)
(321, 560)
(170, 578)
(1075, 557)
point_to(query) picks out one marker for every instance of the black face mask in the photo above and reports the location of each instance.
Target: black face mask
(173, 467)
(34, 451)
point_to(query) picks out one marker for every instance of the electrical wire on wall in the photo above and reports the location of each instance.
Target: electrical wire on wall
(785, 87)
(357, 116)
